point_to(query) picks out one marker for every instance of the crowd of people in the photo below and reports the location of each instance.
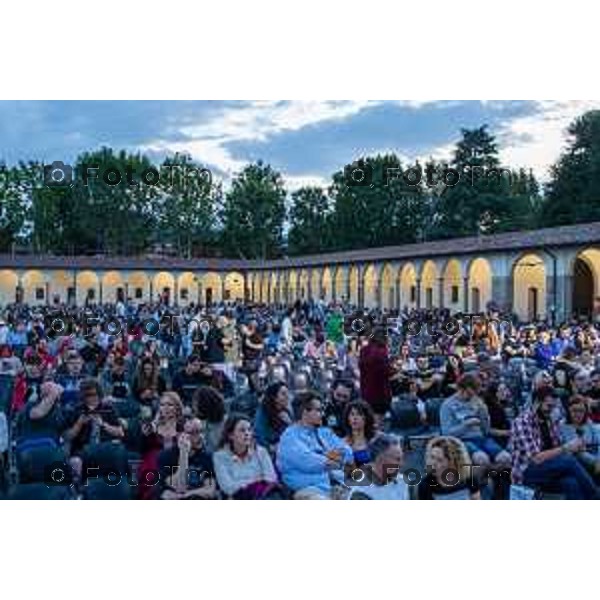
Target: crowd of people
(310, 401)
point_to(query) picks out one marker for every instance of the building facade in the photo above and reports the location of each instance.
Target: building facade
(546, 273)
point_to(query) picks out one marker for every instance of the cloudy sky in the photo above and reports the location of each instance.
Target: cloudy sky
(306, 140)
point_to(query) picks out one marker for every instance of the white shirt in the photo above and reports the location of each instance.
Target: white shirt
(235, 473)
(395, 490)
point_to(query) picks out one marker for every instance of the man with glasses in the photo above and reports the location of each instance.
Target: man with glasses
(310, 456)
(187, 470)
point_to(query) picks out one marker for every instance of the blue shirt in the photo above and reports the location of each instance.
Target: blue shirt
(301, 456)
(543, 355)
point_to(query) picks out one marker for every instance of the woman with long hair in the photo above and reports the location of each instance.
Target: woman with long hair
(273, 415)
(158, 434)
(148, 384)
(449, 472)
(359, 427)
(244, 469)
(454, 371)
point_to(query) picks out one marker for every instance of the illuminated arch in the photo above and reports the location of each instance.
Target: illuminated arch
(187, 289)
(292, 287)
(234, 286)
(327, 284)
(8, 286)
(370, 287)
(315, 284)
(31, 282)
(453, 286)
(429, 286)
(408, 286)
(353, 285)
(211, 287)
(480, 285)
(113, 287)
(139, 287)
(303, 285)
(88, 287)
(388, 289)
(340, 284)
(529, 287)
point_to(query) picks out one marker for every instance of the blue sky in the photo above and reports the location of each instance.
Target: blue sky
(306, 140)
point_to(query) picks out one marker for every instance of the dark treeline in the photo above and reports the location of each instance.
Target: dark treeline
(257, 218)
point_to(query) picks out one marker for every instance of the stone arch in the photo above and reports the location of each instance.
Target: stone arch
(453, 285)
(387, 287)
(370, 292)
(9, 281)
(327, 284)
(529, 287)
(211, 287)
(429, 286)
(408, 286)
(315, 284)
(303, 285)
(586, 281)
(139, 287)
(113, 286)
(480, 285)
(32, 281)
(353, 285)
(234, 286)
(341, 291)
(264, 287)
(62, 286)
(292, 286)
(274, 288)
(163, 286)
(187, 289)
(88, 287)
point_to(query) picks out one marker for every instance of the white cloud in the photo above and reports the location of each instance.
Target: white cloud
(539, 139)
(533, 141)
(256, 121)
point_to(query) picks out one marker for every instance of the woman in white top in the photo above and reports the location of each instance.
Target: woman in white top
(244, 469)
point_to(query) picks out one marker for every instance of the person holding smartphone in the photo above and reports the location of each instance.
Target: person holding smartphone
(465, 416)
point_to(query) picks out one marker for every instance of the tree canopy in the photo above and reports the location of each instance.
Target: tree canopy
(374, 201)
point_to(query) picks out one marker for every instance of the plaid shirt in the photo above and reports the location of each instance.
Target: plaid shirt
(526, 442)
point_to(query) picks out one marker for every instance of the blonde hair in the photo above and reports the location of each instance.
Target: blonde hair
(455, 452)
(176, 400)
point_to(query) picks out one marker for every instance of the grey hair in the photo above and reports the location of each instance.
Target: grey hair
(380, 444)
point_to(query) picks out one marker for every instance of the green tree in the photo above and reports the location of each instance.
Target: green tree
(573, 192)
(187, 206)
(119, 216)
(13, 206)
(387, 210)
(309, 222)
(477, 198)
(253, 213)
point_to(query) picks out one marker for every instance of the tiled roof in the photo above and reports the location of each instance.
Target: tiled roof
(568, 235)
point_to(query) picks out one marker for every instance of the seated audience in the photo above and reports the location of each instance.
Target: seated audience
(540, 460)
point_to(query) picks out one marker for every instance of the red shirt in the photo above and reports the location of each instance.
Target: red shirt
(374, 367)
